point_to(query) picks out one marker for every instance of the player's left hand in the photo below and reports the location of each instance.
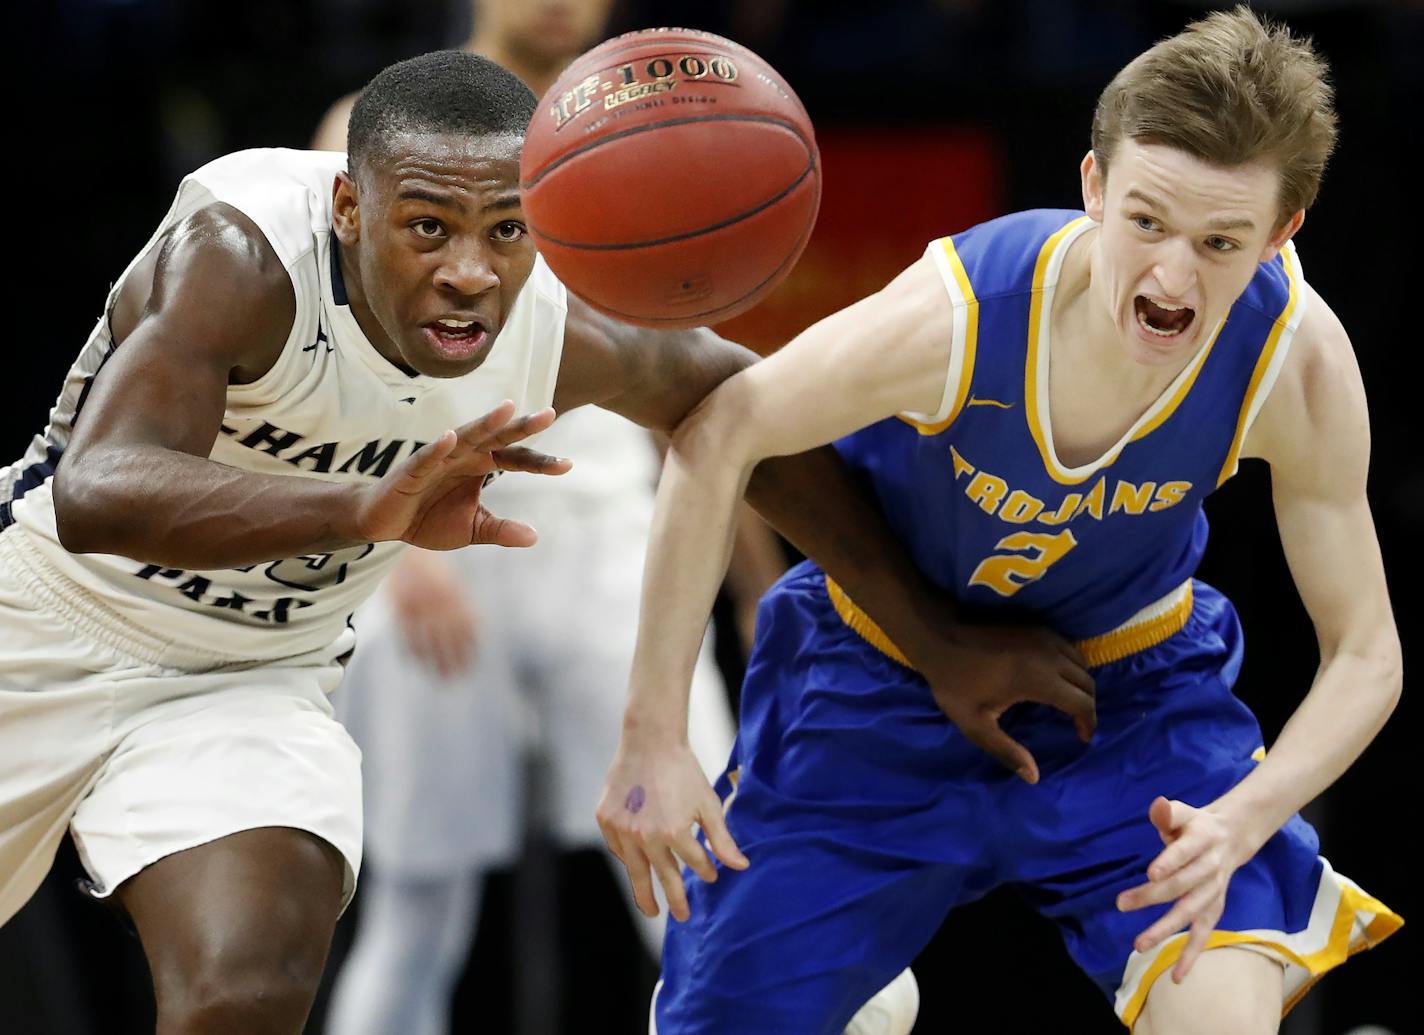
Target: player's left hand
(1204, 849)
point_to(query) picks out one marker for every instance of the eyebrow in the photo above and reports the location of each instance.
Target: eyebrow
(446, 201)
(1215, 224)
(417, 194)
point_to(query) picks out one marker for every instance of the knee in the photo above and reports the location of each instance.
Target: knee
(237, 988)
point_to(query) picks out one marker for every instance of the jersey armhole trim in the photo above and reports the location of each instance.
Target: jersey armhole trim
(1269, 363)
(963, 342)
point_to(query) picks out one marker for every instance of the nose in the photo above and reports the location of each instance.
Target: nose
(1176, 267)
(467, 270)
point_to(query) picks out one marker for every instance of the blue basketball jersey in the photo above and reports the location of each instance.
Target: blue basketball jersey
(977, 493)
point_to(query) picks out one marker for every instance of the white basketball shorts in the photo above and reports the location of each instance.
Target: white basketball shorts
(141, 751)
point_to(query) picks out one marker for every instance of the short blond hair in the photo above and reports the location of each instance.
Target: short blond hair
(1228, 89)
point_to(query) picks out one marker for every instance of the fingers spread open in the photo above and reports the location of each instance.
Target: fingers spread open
(1158, 891)
(670, 876)
(424, 466)
(1186, 909)
(497, 531)
(690, 851)
(1196, 942)
(521, 458)
(481, 428)
(719, 838)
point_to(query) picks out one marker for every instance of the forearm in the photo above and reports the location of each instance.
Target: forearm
(813, 501)
(165, 507)
(1353, 695)
(688, 550)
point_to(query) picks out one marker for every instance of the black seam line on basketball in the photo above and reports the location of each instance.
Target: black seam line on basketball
(649, 127)
(644, 37)
(795, 253)
(686, 234)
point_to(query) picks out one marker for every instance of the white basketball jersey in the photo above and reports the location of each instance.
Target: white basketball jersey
(330, 408)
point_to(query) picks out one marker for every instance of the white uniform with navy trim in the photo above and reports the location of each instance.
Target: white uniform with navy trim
(153, 709)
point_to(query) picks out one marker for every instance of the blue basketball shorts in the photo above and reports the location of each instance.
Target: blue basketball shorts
(867, 817)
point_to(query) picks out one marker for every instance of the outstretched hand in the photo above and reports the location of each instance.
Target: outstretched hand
(432, 500)
(1203, 850)
(654, 796)
(990, 668)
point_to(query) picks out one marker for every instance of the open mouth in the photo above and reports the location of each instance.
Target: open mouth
(455, 339)
(1162, 319)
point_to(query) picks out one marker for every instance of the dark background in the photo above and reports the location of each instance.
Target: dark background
(115, 101)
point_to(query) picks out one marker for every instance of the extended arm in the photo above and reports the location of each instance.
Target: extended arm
(214, 307)
(1314, 432)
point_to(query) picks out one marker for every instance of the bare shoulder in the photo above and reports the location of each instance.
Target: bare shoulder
(212, 283)
(1316, 414)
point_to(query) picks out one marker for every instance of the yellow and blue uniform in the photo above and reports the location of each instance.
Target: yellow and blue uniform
(867, 814)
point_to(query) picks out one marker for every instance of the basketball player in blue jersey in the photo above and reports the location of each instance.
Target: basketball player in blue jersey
(1040, 403)
(278, 395)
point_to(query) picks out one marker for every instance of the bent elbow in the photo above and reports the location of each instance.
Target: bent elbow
(74, 518)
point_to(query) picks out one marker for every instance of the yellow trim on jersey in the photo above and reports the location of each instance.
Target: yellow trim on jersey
(1122, 642)
(1131, 637)
(1036, 316)
(1339, 947)
(862, 624)
(1263, 363)
(1181, 393)
(971, 340)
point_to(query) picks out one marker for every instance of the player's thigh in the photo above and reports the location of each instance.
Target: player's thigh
(1228, 989)
(248, 916)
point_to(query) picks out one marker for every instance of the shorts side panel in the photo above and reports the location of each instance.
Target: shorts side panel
(234, 751)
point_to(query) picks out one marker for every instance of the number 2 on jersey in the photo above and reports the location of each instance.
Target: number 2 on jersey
(1007, 574)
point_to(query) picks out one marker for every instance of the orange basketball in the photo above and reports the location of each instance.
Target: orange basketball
(670, 178)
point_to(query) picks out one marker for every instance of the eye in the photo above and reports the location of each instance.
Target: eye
(429, 229)
(1145, 223)
(509, 231)
(1221, 244)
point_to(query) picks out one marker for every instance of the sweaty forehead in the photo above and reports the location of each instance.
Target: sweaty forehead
(453, 161)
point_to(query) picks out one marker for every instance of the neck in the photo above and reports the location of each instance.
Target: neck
(538, 71)
(365, 319)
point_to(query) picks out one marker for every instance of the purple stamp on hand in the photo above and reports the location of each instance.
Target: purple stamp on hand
(636, 799)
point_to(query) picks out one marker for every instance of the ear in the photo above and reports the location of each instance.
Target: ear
(1280, 237)
(1094, 184)
(345, 210)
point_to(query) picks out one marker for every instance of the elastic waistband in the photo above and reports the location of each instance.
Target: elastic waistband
(1158, 621)
(57, 593)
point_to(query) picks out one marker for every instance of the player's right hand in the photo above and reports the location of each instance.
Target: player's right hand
(434, 612)
(654, 796)
(993, 667)
(432, 500)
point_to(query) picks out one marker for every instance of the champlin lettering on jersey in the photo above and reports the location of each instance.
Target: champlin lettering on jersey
(995, 496)
(373, 458)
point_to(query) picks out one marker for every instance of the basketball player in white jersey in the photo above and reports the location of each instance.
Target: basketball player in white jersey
(277, 395)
